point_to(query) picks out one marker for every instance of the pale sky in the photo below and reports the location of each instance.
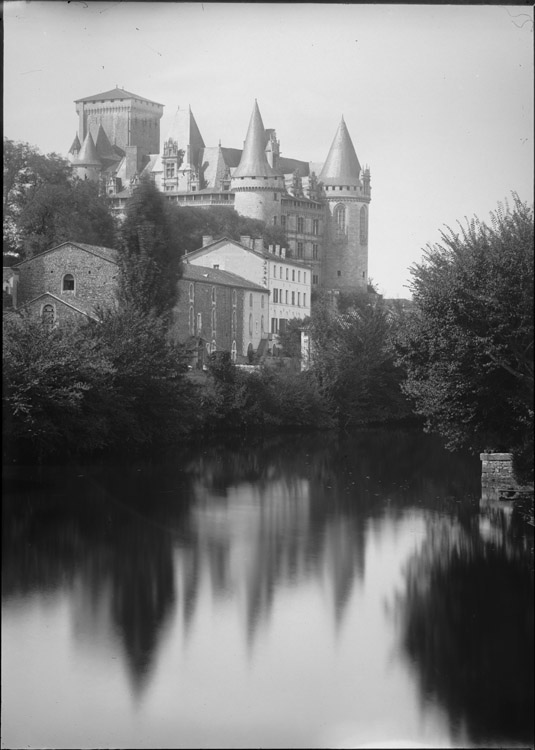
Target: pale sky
(438, 99)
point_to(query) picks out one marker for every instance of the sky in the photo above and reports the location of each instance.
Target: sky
(438, 99)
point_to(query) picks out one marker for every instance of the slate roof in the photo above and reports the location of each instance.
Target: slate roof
(342, 165)
(253, 162)
(217, 276)
(115, 93)
(107, 253)
(88, 153)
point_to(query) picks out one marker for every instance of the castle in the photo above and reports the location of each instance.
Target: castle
(323, 209)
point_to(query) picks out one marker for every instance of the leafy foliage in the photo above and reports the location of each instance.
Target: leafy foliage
(149, 261)
(116, 383)
(190, 224)
(45, 205)
(353, 360)
(468, 347)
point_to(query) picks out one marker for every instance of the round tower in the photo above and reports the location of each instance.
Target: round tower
(347, 198)
(257, 187)
(87, 164)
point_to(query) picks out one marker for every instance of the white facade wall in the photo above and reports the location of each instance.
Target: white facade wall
(275, 272)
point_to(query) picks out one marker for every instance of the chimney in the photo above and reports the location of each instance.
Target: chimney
(206, 239)
(258, 244)
(277, 249)
(246, 240)
(272, 249)
(283, 252)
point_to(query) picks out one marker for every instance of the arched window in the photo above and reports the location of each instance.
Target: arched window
(213, 320)
(234, 351)
(191, 293)
(340, 218)
(262, 324)
(68, 283)
(251, 324)
(213, 295)
(234, 321)
(234, 298)
(250, 300)
(47, 316)
(363, 225)
(191, 321)
(263, 301)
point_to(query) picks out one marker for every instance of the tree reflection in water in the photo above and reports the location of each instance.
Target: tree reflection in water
(467, 624)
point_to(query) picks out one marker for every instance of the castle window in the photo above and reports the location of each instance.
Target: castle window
(283, 222)
(234, 352)
(170, 170)
(363, 225)
(299, 249)
(314, 252)
(68, 283)
(300, 224)
(315, 278)
(47, 316)
(340, 218)
(315, 226)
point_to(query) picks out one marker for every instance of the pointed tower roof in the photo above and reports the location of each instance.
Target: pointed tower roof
(88, 154)
(76, 145)
(253, 162)
(185, 131)
(342, 165)
(103, 146)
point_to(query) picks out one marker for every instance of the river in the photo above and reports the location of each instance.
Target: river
(298, 591)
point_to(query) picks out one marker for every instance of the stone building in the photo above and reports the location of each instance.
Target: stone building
(288, 281)
(323, 208)
(220, 311)
(65, 282)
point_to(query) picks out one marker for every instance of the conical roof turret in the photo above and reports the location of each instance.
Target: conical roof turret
(88, 154)
(342, 165)
(76, 145)
(253, 162)
(103, 147)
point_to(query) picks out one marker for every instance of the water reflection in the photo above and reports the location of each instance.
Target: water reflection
(167, 561)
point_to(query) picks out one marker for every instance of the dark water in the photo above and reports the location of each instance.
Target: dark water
(297, 592)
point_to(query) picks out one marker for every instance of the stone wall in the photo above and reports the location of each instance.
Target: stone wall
(497, 477)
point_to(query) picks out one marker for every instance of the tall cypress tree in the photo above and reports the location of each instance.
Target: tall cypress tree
(149, 263)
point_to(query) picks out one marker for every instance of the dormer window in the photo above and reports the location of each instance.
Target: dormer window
(68, 283)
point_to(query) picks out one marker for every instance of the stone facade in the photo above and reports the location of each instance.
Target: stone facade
(219, 311)
(81, 276)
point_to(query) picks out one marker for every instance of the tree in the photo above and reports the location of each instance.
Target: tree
(44, 204)
(149, 261)
(353, 360)
(468, 346)
(190, 224)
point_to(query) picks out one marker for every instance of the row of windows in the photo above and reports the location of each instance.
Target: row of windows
(213, 295)
(282, 296)
(262, 300)
(301, 224)
(339, 216)
(288, 274)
